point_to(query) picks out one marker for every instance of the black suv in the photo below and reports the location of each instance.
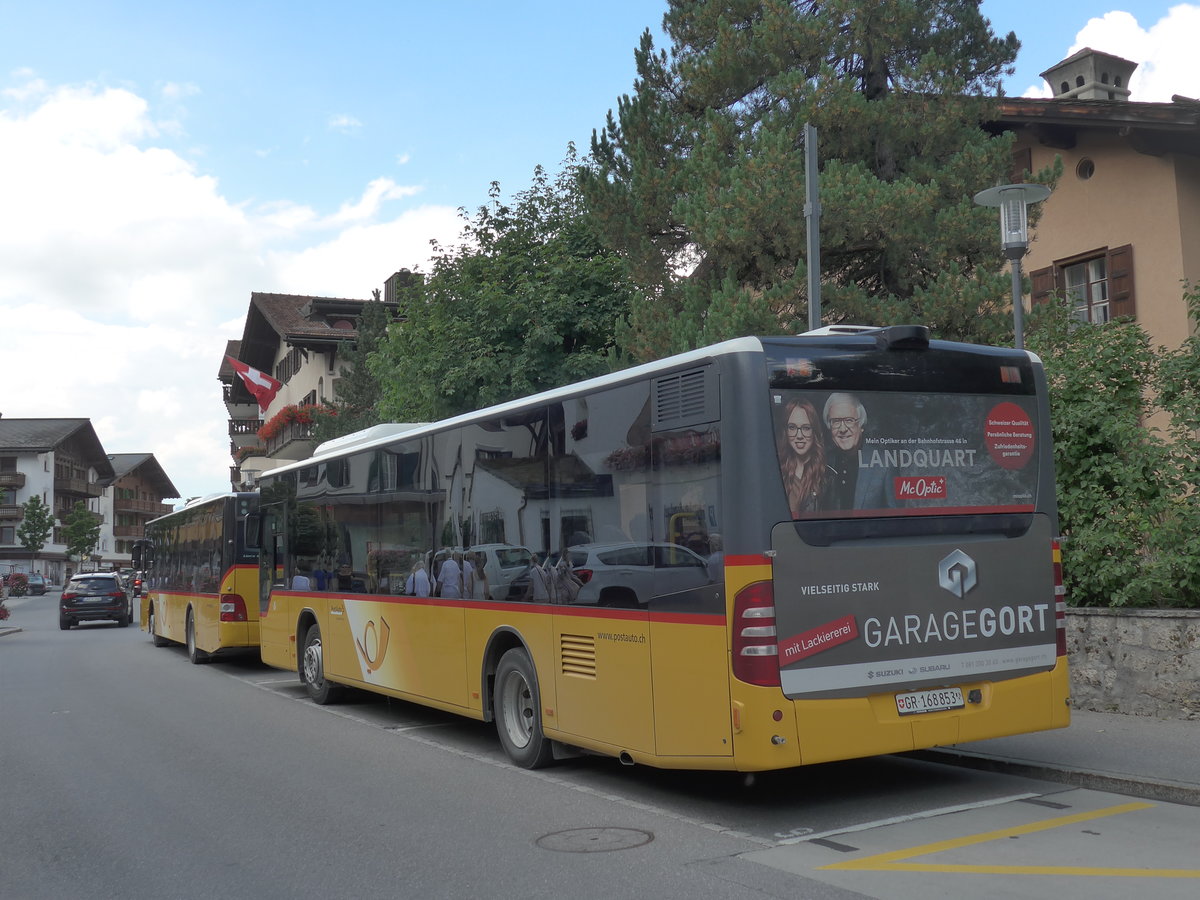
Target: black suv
(95, 595)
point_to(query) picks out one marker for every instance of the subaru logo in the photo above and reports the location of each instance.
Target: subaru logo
(956, 573)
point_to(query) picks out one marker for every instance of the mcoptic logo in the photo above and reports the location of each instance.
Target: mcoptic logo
(956, 573)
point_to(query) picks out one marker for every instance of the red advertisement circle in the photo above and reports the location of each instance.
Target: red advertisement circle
(1009, 435)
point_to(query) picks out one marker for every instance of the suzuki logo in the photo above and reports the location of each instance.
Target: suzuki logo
(956, 573)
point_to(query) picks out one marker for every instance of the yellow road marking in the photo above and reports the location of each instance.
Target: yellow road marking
(893, 861)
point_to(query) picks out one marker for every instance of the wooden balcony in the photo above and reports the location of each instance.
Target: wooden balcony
(12, 479)
(244, 426)
(294, 441)
(77, 486)
(152, 508)
(129, 531)
(8, 513)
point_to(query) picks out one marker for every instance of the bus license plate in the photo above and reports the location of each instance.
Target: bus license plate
(929, 701)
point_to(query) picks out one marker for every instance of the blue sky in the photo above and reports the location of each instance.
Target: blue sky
(160, 161)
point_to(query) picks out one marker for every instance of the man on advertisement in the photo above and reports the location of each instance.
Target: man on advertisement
(855, 487)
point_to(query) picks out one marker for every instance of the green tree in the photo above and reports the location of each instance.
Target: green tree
(37, 524)
(703, 164)
(81, 531)
(356, 402)
(1128, 509)
(527, 301)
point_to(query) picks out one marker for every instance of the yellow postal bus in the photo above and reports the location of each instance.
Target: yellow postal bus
(201, 582)
(760, 554)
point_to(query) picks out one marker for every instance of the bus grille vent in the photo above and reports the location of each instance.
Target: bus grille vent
(686, 398)
(578, 655)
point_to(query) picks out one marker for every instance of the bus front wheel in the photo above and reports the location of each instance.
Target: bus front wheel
(312, 670)
(518, 711)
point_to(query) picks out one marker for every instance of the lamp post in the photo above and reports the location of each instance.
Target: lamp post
(1014, 237)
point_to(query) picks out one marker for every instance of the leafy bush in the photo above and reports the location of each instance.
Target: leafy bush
(1125, 416)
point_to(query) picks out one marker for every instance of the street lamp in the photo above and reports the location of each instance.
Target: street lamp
(1014, 236)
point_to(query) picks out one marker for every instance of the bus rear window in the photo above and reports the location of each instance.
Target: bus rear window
(869, 453)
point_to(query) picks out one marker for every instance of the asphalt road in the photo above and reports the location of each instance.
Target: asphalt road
(127, 772)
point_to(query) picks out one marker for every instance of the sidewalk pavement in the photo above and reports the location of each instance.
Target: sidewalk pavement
(1157, 759)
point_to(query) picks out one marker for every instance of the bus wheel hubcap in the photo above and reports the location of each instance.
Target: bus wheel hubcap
(312, 663)
(518, 710)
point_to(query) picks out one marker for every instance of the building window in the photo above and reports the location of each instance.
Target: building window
(1098, 284)
(8, 534)
(1087, 290)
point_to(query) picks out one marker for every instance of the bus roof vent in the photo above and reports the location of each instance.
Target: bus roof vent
(903, 337)
(685, 398)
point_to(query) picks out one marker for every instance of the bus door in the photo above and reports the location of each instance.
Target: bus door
(599, 504)
(687, 613)
(277, 622)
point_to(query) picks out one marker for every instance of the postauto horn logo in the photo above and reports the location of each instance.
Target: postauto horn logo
(956, 573)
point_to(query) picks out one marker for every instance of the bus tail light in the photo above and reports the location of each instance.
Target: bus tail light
(755, 649)
(1060, 602)
(233, 608)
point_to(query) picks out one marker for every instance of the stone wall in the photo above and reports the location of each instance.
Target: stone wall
(1140, 662)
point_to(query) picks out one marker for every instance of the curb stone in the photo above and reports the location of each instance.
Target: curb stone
(1146, 788)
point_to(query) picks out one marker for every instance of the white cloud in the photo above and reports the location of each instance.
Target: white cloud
(1163, 51)
(175, 91)
(124, 270)
(342, 266)
(344, 123)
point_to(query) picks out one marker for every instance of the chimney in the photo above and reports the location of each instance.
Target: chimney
(1090, 75)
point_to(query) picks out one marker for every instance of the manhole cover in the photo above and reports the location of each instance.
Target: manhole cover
(594, 840)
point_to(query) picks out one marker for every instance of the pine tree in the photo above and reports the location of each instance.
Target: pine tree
(706, 158)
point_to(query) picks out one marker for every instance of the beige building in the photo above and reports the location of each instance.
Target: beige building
(1121, 230)
(298, 340)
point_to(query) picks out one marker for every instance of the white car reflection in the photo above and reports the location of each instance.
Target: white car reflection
(627, 575)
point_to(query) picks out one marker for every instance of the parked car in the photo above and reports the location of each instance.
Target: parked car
(91, 596)
(37, 584)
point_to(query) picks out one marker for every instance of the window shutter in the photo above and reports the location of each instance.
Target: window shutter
(1120, 281)
(1044, 283)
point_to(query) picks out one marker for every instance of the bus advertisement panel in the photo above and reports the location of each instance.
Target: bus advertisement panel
(957, 607)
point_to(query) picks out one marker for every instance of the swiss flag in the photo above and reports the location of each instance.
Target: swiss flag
(260, 384)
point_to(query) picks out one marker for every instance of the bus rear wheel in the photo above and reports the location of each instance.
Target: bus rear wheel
(312, 670)
(195, 654)
(519, 712)
(151, 621)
